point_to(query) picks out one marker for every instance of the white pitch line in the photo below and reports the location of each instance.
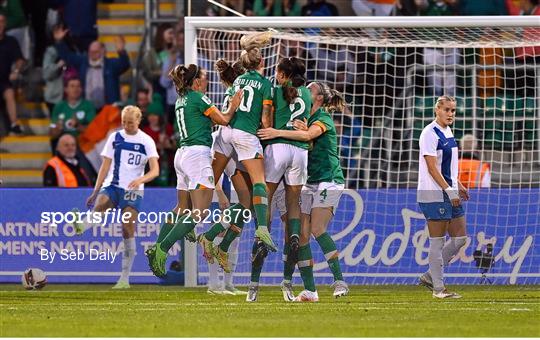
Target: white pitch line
(216, 301)
(286, 307)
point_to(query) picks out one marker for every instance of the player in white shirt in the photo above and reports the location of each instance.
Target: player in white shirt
(121, 178)
(439, 195)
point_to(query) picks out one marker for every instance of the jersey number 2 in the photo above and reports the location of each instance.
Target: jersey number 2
(297, 112)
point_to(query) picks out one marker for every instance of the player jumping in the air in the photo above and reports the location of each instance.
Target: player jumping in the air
(439, 194)
(325, 182)
(195, 114)
(239, 178)
(288, 159)
(120, 181)
(254, 111)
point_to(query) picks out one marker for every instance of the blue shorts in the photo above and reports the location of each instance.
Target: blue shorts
(122, 198)
(441, 210)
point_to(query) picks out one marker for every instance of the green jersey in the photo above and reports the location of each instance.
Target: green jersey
(257, 92)
(229, 93)
(323, 158)
(285, 113)
(193, 123)
(84, 111)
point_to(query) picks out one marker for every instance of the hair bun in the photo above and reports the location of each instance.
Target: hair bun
(255, 40)
(221, 65)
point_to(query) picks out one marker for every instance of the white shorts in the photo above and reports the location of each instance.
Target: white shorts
(193, 165)
(226, 149)
(279, 202)
(246, 145)
(287, 161)
(320, 195)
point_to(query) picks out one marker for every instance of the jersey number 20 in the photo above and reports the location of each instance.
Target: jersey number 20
(134, 159)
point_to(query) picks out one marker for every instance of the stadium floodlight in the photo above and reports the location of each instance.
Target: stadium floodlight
(391, 69)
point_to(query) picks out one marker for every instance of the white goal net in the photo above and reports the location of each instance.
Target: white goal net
(391, 72)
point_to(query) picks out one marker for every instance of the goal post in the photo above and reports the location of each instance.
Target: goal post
(391, 69)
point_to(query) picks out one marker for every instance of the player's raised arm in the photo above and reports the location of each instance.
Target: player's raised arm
(223, 118)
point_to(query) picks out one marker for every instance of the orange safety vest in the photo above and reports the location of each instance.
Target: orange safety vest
(64, 176)
(469, 171)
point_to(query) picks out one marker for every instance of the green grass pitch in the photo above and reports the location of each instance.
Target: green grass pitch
(147, 310)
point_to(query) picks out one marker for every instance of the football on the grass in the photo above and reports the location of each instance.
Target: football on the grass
(33, 278)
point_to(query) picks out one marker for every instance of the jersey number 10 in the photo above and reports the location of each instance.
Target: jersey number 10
(247, 101)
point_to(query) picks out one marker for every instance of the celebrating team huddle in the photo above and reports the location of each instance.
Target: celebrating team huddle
(267, 135)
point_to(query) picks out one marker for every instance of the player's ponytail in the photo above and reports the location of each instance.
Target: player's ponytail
(238, 68)
(299, 72)
(294, 70)
(251, 55)
(335, 102)
(183, 77)
(228, 72)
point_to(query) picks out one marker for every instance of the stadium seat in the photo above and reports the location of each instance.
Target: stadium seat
(418, 126)
(530, 124)
(424, 106)
(462, 126)
(464, 106)
(491, 115)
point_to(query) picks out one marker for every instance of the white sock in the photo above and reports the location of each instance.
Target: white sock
(213, 276)
(450, 249)
(233, 260)
(128, 256)
(89, 224)
(214, 281)
(436, 245)
(218, 240)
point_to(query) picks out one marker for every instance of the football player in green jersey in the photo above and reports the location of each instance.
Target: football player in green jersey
(287, 159)
(195, 115)
(238, 175)
(325, 183)
(254, 111)
(229, 231)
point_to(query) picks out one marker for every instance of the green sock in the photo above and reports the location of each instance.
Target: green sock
(219, 227)
(288, 269)
(260, 203)
(294, 226)
(305, 264)
(166, 227)
(184, 225)
(255, 271)
(331, 254)
(237, 223)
